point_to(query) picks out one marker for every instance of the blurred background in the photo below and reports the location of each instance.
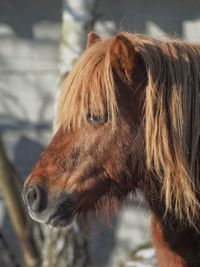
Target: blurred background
(39, 41)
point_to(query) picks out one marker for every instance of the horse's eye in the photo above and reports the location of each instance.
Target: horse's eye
(97, 119)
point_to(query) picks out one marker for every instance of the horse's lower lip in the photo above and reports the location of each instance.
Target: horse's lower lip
(58, 220)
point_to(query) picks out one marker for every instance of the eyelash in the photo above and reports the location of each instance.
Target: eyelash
(96, 119)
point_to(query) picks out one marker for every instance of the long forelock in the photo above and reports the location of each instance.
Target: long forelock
(89, 88)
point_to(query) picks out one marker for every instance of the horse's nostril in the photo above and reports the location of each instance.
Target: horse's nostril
(35, 198)
(31, 196)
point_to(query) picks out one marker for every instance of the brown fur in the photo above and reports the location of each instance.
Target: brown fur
(166, 257)
(149, 91)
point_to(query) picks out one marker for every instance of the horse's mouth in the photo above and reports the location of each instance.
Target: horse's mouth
(61, 218)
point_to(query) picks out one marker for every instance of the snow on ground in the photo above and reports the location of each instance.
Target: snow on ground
(141, 258)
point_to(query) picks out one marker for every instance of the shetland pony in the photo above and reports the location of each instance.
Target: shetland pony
(128, 118)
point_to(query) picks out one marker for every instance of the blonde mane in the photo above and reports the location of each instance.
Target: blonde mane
(89, 88)
(172, 105)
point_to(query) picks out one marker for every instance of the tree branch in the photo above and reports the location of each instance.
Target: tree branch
(13, 199)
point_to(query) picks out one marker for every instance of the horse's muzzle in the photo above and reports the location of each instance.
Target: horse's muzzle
(57, 209)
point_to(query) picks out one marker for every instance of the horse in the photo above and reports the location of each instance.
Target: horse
(128, 119)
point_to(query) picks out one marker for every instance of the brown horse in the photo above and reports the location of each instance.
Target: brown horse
(128, 118)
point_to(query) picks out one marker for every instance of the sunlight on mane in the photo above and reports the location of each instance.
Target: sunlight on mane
(89, 88)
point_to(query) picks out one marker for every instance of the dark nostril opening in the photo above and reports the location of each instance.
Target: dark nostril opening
(31, 195)
(35, 198)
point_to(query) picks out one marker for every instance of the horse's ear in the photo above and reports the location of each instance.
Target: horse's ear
(125, 60)
(92, 38)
